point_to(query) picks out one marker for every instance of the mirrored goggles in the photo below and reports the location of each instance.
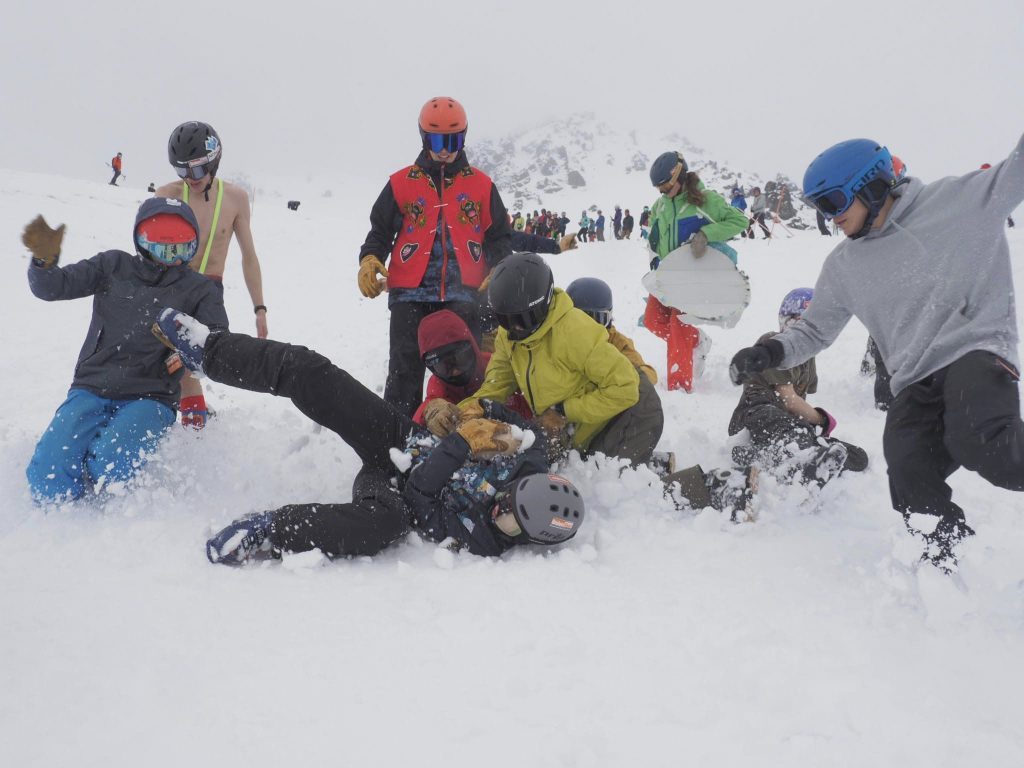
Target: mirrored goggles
(451, 360)
(170, 254)
(452, 142)
(604, 316)
(196, 172)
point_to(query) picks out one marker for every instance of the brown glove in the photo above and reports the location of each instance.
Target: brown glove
(567, 243)
(484, 283)
(488, 438)
(471, 410)
(370, 272)
(556, 428)
(43, 241)
(698, 244)
(441, 416)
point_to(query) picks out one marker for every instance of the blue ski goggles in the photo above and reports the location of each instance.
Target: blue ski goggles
(171, 254)
(452, 142)
(836, 201)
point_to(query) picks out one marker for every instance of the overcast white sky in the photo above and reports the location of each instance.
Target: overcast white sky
(298, 88)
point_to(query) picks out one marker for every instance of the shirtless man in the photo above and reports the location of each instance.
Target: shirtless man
(194, 150)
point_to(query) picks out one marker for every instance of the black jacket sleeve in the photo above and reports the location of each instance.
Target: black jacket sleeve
(385, 223)
(527, 241)
(498, 237)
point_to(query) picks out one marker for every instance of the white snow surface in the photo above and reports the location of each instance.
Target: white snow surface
(654, 638)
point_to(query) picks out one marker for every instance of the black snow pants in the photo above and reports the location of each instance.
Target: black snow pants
(773, 432)
(964, 415)
(404, 387)
(377, 514)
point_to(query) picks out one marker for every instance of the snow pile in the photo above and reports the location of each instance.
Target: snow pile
(655, 637)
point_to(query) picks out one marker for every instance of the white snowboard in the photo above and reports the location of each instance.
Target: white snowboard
(710, 290)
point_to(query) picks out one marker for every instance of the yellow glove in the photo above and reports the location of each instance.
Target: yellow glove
(488, 438)
(441, 416)
(370, 272)
(567, 243)
(43, 241)
(471, 410)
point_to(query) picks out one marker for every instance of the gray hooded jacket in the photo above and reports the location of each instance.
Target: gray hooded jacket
(931, 284)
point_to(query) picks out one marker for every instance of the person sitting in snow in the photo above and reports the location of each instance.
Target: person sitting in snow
(587, 395)
(788, 435)
(124, 395)
(457, 366)
(484, 488)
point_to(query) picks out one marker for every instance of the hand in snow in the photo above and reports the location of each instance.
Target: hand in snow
(43, 241)
(828, 423)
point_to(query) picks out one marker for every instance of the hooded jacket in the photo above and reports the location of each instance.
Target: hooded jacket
(120, 358)
(931, 284)
(439, 329)
(567, 361)
(674, 220)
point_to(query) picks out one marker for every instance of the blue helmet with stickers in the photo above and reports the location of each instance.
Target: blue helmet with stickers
(850, 170)
(794, 305)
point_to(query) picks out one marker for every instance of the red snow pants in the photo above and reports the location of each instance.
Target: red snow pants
(682, 340)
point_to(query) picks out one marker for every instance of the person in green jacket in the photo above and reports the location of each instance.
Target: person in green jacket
(584, 392)
(686, 212)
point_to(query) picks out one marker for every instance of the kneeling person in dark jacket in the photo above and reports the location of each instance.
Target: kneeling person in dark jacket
(788, 436)
(483, 488)
(125, 389)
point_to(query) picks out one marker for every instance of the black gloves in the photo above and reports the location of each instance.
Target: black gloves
(751, 360)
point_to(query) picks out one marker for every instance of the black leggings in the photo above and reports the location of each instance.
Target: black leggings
(964, 415)
(377, 514)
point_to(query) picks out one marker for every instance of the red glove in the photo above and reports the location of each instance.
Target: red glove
(193, 411)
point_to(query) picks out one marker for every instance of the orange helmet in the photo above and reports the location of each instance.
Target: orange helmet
(443, 114)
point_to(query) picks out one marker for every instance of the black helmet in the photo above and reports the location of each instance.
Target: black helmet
(540, 509)
(520, 293)
(594, 297)
(668, 166)
(193, 148)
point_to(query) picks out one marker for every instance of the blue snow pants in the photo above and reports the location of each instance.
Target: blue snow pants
(93, 439)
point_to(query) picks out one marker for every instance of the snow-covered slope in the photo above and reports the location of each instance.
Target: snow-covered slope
(656, 638)
(581, 163)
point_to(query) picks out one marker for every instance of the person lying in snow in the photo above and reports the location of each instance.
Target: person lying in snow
(483, 488)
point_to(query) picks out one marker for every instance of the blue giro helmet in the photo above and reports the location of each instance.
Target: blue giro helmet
(846, 171)
(794, 306)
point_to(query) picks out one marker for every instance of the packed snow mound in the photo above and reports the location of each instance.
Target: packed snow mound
(657, 636)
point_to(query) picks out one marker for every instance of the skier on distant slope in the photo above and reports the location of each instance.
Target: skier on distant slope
(115, 165)
(442, 224)
(927, 269)
(123, 394)
(787, 434)
(686, 212)
(194, 150)
(481, 488)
